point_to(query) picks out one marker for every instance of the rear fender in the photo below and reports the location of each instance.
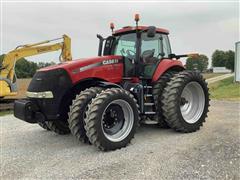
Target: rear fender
(165, 65)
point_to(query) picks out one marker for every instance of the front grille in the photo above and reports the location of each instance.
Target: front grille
(57, 81)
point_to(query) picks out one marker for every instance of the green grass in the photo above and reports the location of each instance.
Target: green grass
(211, 75)
(3, 113)
(225, 89)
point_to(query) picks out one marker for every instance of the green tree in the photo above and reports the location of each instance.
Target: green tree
(43, 64)
(229, 63)
(218, 58)
(200, 63)
(25, 69)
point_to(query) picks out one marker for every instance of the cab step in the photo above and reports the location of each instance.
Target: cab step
(148, 104)
(150, 113)
(148, 95)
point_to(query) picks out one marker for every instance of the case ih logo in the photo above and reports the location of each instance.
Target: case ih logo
(90, 66)
(110, 61)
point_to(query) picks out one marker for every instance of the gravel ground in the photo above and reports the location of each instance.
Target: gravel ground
(29, 152)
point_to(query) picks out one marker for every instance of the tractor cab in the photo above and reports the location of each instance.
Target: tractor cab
(141, 47)
(151, 50)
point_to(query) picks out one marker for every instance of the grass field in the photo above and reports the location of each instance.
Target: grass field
(225, 89)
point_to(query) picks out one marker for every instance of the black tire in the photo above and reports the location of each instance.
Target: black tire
(44, 125)
(95, 124)
(58, 126)
(157, 91)
(78, 112)
(173, 101)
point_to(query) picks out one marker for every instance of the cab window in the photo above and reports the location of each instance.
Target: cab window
(125, 45)
(154, 45)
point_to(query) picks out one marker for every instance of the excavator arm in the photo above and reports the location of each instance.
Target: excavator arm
(7, 72)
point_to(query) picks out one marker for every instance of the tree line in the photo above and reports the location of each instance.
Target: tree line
(25, 68)
(219, 59)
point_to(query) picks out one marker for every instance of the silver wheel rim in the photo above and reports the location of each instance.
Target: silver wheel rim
(192, 102)
(127, 124)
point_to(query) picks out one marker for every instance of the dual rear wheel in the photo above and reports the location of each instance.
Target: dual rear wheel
(185, 101)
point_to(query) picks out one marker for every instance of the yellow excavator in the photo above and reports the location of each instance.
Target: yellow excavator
(8, 86)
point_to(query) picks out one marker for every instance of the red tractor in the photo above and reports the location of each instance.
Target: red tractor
(102, 100)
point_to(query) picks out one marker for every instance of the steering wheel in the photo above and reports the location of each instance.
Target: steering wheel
(122, 51)
(130, 52)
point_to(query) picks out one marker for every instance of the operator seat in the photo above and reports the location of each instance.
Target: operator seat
(147, 56)
(149, 62)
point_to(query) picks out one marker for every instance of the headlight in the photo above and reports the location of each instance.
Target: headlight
(45, 94)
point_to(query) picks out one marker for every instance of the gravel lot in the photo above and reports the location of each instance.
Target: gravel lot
(29, 152)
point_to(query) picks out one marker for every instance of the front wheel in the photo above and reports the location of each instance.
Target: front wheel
(44, 126)
(112, 119)
(58, 126)
(186, 101)
(78, 112)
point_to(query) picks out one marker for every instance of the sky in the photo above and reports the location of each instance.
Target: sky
(194, 26)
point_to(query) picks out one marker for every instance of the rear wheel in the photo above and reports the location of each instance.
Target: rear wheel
(78, 113)
(112, 119)
(158, 88)
(186, 101)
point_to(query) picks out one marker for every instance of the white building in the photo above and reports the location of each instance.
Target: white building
(237, 62)
(221, 70)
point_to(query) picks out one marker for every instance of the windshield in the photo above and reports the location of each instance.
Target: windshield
(125, 44)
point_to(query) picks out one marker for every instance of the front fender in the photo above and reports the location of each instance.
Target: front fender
(105, 84)
(165, 65)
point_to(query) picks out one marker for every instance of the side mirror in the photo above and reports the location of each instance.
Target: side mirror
(151, 31)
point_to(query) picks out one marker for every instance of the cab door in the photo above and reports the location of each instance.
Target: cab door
(153, 50)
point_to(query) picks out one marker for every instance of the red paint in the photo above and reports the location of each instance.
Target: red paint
(111, 72)
(130, 28)
(164, 65)
(135, 80)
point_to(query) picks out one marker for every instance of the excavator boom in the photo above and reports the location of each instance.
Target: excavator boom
(7, 73)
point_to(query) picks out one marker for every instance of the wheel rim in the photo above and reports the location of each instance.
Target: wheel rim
(117, 120)
(192, 102)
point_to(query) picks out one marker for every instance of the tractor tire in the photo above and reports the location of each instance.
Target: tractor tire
(44, 125)
(186, 101)
(112, 119)
(58, 126)
(78, 112)
(157, 91)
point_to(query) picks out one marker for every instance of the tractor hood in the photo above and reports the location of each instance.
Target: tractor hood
(108, 68)
(81, 62)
